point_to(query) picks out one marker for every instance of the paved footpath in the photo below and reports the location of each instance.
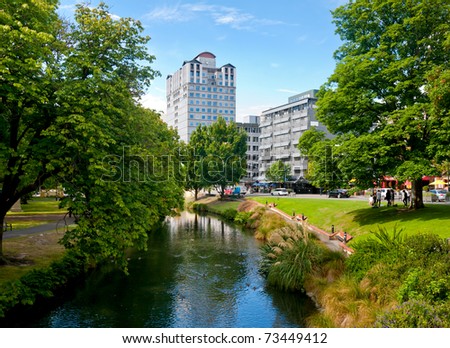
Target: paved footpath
(59, 223)
(325, 237)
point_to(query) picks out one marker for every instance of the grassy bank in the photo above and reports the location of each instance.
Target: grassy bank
(38, 266)
(246, 213)
(37, 206)
(358, 219)
(35, 251)
(37, 211)
(395, 279)
(29, 253)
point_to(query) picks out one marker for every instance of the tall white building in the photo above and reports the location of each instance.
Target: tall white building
(281, 128)
(198, 93)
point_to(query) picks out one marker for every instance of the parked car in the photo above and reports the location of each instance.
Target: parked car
(279, 192)
(240, 190)
(338, 193)
(440, 194)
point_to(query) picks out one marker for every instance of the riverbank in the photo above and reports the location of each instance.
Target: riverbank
(37, 264)
(390, 276)
(357, 218)
(393, 280)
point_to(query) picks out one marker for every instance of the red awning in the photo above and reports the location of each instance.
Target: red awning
(389, 178)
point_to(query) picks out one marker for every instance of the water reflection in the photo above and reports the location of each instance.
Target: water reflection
(198, 272)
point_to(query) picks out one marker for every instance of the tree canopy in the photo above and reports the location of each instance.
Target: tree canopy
(386, 97)
(68, 112)
(323, 158)
(278, 172)
(219, 151)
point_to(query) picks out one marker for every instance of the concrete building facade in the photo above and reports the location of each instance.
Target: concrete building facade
(281, 127)
(250, 125)
(198, 93)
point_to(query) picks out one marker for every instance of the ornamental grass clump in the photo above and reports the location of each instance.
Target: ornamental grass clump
(290, 256)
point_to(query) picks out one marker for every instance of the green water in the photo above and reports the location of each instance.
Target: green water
(198, 272)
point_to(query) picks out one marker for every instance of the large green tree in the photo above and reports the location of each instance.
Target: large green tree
(29, 75)
(221, 156)
(194, 155)
(278, 172)
(68, 112)
(380, 96)
(323, 158)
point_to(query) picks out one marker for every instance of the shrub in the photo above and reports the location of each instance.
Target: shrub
(267, 222)
(382, 246)
(243, 217)
(416, 314)
(199, 207)
(229, 214)
(41, 283)
(421, 284)
(289, 257)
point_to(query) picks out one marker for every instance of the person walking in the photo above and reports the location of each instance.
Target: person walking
(404, 197)
(378, 202)
(388, 197)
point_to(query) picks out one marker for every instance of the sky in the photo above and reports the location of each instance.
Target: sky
(279, 48)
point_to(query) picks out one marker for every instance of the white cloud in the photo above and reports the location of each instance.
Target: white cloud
(168, 14)
(221, 15)
(154, 102)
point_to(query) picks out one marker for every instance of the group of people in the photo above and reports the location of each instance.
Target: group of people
(376, 198)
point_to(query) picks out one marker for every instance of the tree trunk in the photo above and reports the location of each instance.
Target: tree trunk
(416, 195)
(2, 225)
(222, 192)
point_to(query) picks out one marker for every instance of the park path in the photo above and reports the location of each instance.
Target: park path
(59, 224)
(328, 239)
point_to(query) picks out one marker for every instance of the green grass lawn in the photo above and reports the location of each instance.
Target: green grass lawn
(34, 251)
(221, 206)
(36, 206)
(357, 218)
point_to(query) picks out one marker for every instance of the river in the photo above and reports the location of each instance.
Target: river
(198, 272)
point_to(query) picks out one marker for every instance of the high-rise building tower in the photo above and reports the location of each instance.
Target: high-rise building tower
(198, 93)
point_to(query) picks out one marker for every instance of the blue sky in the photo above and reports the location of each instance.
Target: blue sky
(279, 48)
